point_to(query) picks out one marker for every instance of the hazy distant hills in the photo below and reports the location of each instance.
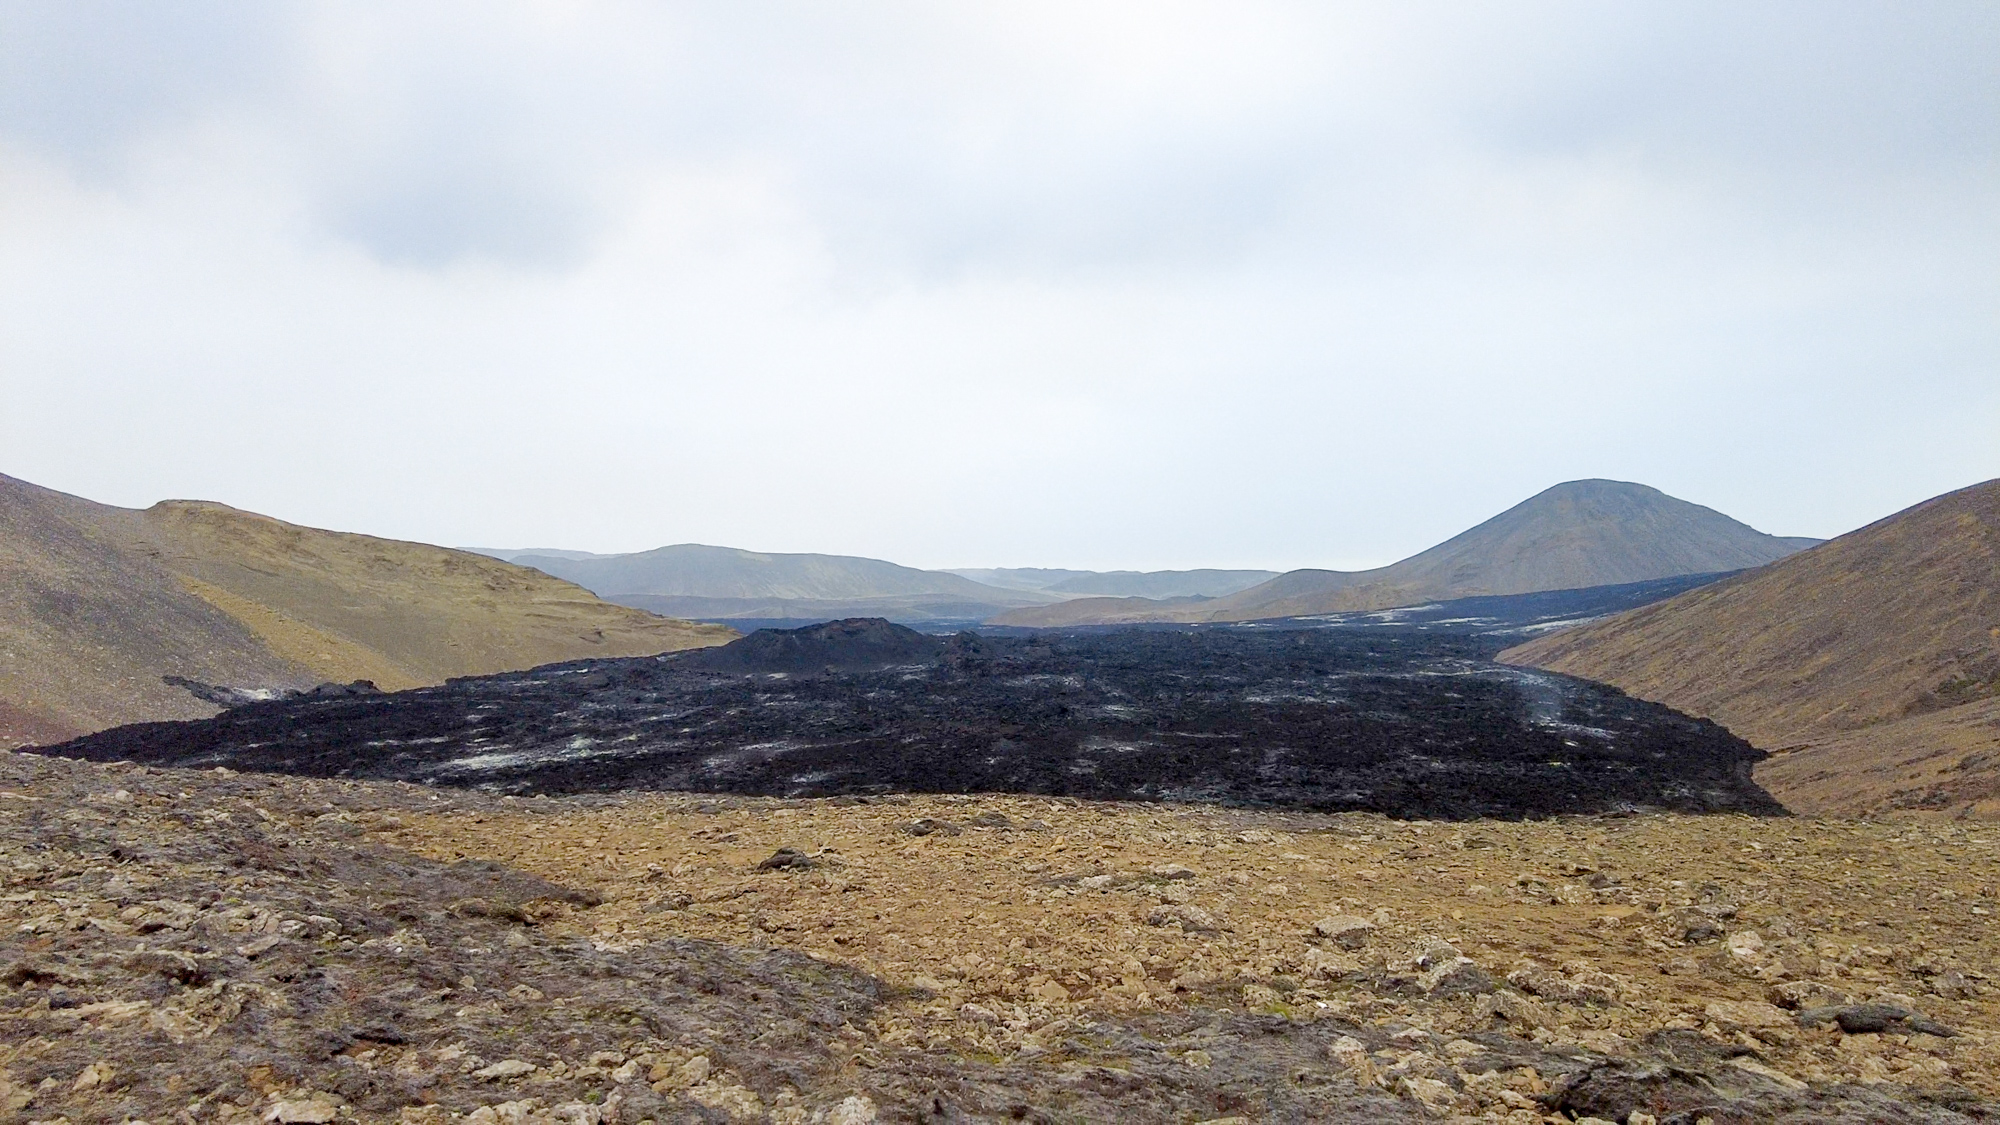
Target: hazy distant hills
(727, 583)
(1575, 535)
(100, 602)
(553, 552)
(1870, 665)
(1122, 583)
(696, 570)
(1018, 577)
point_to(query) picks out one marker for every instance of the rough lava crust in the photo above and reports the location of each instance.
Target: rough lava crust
(1402, 722)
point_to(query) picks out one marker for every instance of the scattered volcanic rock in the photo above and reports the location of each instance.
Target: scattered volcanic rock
(1408, 723)
(1870, 665)
(239, 948)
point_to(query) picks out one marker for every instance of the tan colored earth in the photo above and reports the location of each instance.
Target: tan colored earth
(1073, 908)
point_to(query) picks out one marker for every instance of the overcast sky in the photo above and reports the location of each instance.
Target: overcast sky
(1066, 284)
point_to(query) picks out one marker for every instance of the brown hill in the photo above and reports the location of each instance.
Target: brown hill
(101, 602)
(1869, 665)
(1578, 534)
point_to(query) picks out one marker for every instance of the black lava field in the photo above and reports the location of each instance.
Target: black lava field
(1403, 722)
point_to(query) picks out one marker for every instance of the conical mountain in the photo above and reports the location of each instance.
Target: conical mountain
(1870, 665)
(1577, 534)
(98, 603)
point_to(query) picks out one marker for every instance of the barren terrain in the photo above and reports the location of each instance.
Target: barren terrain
(209, 946)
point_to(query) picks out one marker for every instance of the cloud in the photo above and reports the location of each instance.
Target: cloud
(1080, 283)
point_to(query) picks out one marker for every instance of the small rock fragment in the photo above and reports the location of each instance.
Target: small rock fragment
(1190, 918)
(503, 1113)
(1695, 933)
(786, 858)
(668, 1077)
(1325, 964)
(506, 1068)
(1345, 930)
(1863, 1019)
(855, 1110)
(261, 946)
(301, 1113)
(927, 826)
(1518, 1011)
(1798, 994)
(1583, 987)
(1459, 976)
(1745, 945)
(1952, 985)
(92, 1076)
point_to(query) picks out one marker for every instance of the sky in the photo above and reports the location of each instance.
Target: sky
(1106, 285)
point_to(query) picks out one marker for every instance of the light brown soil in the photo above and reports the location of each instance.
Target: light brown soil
(1026, 926)
(208, 947)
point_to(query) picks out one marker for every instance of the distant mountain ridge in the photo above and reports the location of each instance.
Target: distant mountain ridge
(1206, 583)
(507, 555)
(728, 583)
(1870, 665)
(702, 571)
(1575, 535)
(100, 603)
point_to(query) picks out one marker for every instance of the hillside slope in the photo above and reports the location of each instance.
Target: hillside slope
(88, 627)
(1575, 535)
(1869, 663)
(101, 602)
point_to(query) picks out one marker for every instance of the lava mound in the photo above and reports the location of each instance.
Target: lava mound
(1407, 723)
(852, 645)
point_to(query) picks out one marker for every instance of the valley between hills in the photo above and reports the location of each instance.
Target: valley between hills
(1608, 809)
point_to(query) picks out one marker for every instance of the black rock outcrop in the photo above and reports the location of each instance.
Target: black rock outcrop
(852, 645)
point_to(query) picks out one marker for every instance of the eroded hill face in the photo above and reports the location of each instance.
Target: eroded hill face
(1572, 536)
(239, 949)
(102, 602)
(1870, 665)
(88, 626)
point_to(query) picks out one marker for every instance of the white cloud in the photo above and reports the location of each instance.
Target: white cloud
(1076, 284)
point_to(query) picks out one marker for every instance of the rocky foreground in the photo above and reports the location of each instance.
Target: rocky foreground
(209, 946)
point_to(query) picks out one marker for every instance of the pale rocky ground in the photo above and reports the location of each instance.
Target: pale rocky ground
(1022, 930)
(183, 946)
